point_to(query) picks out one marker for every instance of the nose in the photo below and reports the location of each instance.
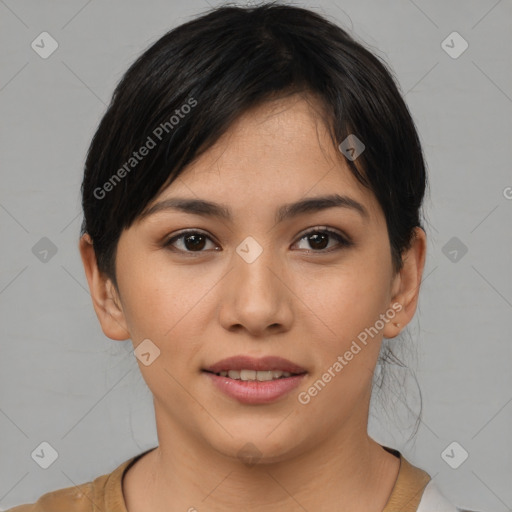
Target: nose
(256, 297)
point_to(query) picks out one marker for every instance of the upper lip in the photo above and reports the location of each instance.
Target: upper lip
(267, 363)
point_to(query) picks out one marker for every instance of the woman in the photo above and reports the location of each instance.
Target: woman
(252, 223)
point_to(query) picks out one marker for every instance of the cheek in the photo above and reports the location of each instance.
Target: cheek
(162, 301)
(343, 301)
(347, 308)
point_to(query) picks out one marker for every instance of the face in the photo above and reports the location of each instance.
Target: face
(307, 286)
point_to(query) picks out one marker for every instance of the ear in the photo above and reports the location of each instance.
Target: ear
(406, 284)
(104, 295)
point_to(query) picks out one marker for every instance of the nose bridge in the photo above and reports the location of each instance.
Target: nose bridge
(255, 280)
(257, 299)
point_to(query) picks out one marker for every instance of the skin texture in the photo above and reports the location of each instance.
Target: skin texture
(293, 302)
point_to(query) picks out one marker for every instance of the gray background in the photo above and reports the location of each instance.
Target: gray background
(62, 381)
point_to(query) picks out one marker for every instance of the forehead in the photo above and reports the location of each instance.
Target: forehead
(275, 153)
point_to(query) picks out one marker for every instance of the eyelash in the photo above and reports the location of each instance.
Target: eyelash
(343, 241)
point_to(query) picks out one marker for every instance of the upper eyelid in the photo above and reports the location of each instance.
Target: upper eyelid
(188, 231)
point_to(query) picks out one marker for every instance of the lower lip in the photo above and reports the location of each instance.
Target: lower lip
(253, 391)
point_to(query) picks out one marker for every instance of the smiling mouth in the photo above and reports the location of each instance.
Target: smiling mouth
(255, 375)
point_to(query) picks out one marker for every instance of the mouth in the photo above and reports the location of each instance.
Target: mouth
(250, 368)
(255, 380)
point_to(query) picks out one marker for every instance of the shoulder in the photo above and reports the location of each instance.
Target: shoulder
(70, 499)
(415, 491)
(104, 493)
(433, 500)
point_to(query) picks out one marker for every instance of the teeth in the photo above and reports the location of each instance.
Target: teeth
(248, 374)
(254, 375)
(265, 375)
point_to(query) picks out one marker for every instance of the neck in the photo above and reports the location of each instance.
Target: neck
(347, 468)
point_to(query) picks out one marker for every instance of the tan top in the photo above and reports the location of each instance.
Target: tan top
(105, 493)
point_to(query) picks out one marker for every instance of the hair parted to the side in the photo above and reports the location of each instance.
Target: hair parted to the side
(229, 60)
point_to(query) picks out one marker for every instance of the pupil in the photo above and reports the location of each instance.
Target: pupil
(314, 239)
(195, 243)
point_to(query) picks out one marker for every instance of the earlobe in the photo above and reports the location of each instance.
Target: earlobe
(406, 284)
(104, 296)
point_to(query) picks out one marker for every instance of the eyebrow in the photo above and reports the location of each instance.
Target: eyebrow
(287, 211)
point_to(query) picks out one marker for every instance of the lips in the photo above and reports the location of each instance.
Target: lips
(251, 365)
(255, 381)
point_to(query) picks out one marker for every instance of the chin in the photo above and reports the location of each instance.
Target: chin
(256, 444)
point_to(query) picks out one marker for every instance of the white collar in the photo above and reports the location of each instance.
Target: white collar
(432, 500)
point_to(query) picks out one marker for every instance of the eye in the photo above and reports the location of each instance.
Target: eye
(318, 239)
(191, 241)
